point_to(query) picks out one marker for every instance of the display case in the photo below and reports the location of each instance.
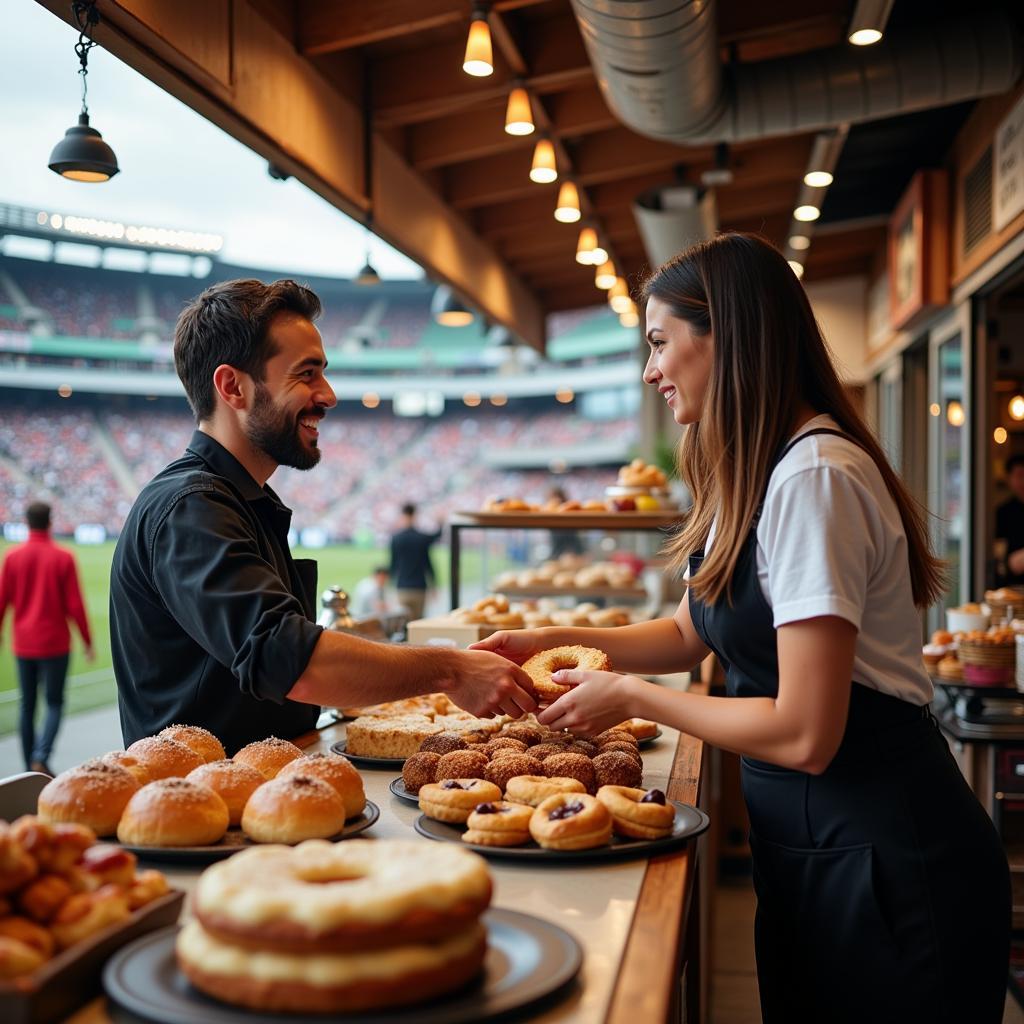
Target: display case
(640, 534)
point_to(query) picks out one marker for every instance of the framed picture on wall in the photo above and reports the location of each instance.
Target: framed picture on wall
(919, 250)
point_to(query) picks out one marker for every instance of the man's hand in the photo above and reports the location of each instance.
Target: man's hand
(486, 685)
(516, 645)
(90, 654)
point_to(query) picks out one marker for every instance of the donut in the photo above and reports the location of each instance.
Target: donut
(638, 813)
(443, 743)
(641, 728)
(584, 747)
(105, 864)
(570, 766)
(498, 824)
(88, 912)
(292, 808)
(501, 769)
(505, 743)
(543, 750)
(196, 738)
(164, 758)
(418, 770)
(31, 933)
(453, 799)
(540, 667)
(535, 789)
(234, 783)
(338, 772)
(620, 748)
(268, 756)
(461, 764)
(130, 763)
(615, 735)
(323, 897)
(173, 812)
(94, 794)
(617, 768)
(571, 821)
(529, 734)
(18, 958)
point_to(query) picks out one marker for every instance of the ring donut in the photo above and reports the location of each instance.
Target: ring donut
(540, 667)
(571, 821)
(638, 813)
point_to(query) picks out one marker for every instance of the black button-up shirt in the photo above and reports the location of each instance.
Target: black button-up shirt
(210, 616)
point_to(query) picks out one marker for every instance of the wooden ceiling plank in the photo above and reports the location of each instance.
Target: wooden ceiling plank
(327, 27)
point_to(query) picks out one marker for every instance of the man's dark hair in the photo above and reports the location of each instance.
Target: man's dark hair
(408, 509)
(381, 570)
(228, 323)
(37, 515)
(1013, 462)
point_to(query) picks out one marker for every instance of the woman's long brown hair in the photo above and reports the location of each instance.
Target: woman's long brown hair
(769, 357)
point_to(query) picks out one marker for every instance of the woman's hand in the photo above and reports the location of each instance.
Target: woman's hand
(516, 645)
(597, 701)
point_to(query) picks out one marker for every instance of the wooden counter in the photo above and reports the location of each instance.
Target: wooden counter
(630, 917)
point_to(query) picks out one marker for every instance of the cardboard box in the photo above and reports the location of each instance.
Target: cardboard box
(422, 631)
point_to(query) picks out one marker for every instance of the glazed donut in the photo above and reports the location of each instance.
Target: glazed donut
(617, 768)
(508, 766)
(336, 771)
(147, 886)
(130, 763)
(173, 812)
(330, 983)
(18, 958)
(570, 766)
(42, 897)
(453, 799)
(32, 934)
(234, 783)
(443, 743)
(268, 756)
(323, 897)
(418, 770)
(498, 824)
(88, 912)
(461, 764)
(164, 758)
(640, 728)
(571, 821)
(540, 667)
(94, 794)
(535, 789)
(196, 738)
(638, 813)
(292, 808)
(105, 864)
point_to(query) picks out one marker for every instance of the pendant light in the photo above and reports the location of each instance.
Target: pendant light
(630, 317)
(448, 310)
(868, 22)
(518, 113)
(544, 169)
(585, 247)
(568, 209)
(368, 276)
(479, 60)
(82, 155)
(605, 275)
(618, 296)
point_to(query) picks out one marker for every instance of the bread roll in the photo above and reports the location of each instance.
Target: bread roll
(173, 812)
(94, 794)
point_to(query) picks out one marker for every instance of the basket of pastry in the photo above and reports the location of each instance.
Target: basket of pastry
(1004, 603)
(66, 903)
(988, 657)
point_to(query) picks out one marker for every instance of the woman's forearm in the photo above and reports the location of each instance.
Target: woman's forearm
(649, 648)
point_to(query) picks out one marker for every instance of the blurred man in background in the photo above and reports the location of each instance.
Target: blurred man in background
(411, 568)
(372, 596)
(40, 582)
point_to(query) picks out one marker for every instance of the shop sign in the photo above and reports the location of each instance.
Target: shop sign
(1008, 168)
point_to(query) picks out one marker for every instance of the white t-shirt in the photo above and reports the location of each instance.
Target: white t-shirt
(831, 542)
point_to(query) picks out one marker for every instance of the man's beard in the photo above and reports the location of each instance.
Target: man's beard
(276, 433)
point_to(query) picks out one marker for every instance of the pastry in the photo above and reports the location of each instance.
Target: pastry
(268, 756)
(535, 789)
(453, 799)
(173, 812)
(164, 758)
(94, 794)
(638, 813)
(292, 808)
(232, 781)
(571, 821)
(540, 667)
(201, 740)
(338, 772)
(498, 824)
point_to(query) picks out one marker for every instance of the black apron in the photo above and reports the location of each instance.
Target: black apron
(883, 892)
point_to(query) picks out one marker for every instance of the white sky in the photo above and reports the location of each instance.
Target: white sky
(177, 169)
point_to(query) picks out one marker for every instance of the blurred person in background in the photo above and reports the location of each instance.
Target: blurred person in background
(39, 581)
(563, 542)
(211, 618)
(1010, 523)
(411, 568)
(373, 596)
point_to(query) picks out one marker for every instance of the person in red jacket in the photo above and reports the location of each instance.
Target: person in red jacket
(40, 582)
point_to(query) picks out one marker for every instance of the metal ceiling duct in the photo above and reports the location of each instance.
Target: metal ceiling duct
(673, 218)
(658, 66)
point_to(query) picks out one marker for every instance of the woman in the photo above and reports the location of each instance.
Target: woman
(883, 892)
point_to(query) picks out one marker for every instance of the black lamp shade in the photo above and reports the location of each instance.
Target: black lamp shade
(82, 155)
(448, 310)
(367, 276)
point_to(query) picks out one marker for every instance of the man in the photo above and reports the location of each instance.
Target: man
(211, 618)
(1010, 521)
(371, 596)
(40, 582)
(411, 568)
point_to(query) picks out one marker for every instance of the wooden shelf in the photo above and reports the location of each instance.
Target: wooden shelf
(540, 590)
(660, 520)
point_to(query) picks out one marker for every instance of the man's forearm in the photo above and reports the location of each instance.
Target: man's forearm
(348, 671)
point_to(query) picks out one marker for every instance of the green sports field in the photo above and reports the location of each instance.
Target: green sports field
(92, 685)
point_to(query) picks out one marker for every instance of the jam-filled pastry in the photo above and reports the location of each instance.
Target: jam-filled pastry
(498, 823)
(453, 799)
(571, 821)
(638, 813)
